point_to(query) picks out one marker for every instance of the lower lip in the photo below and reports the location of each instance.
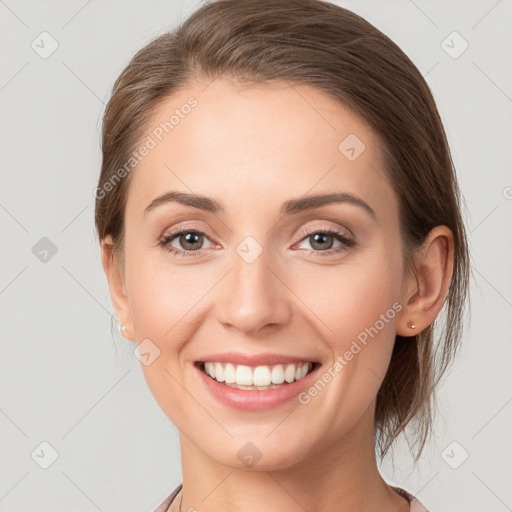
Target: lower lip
(255, 400)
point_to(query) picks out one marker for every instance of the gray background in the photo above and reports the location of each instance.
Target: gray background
(66, 375)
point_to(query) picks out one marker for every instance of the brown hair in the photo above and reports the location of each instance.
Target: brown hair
(319, 44)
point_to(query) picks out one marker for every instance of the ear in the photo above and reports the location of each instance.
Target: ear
(426, 294)
(117, 287)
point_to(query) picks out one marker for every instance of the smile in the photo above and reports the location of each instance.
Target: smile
(260, 377)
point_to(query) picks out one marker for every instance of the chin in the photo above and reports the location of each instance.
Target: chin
(258, 453)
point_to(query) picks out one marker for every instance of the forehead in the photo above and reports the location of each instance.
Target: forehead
(241, 143)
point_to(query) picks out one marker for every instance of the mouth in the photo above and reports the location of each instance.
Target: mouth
(256, 378)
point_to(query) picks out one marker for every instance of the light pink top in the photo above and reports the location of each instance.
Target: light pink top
(414, 503)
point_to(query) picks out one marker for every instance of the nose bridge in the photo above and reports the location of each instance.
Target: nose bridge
(254, 296)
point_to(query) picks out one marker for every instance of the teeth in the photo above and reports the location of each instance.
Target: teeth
(219, 372)
(243, 375)
(278, 374)
(229, 373)
(260, 376)
(289, 373)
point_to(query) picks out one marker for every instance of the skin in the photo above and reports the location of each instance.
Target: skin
(251, 148)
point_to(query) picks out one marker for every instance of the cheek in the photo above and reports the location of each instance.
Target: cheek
(355, 309)
(356, 304)
(166, 307)
(164, 297)
(348, 300)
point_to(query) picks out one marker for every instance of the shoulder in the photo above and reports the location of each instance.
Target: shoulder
(415, 504)
(164, 506)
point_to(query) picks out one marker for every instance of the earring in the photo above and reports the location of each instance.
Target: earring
(122, 329)
(412, 325)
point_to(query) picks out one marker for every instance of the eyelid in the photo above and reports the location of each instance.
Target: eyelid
(318, 228)
(181, 227)
(301, 234)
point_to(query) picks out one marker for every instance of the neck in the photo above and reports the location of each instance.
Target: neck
(342, 477)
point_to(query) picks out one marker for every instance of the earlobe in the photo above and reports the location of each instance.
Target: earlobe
(117, 287)
(428, 290)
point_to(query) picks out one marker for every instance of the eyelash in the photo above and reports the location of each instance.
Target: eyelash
(347, 242)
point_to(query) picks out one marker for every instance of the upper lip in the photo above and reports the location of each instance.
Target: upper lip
(266, 359)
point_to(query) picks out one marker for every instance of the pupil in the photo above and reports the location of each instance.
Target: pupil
(322, 238)
(189, 239)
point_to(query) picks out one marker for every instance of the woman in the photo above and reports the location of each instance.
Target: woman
(234, 147)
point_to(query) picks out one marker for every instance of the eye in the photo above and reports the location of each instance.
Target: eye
(191, 240)
(322, 241)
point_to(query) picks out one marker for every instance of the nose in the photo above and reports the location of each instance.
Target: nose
(255, 295)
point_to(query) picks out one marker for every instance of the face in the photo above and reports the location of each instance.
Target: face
(261, 271)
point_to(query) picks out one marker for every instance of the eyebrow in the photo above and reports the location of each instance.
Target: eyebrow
(289, 207)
